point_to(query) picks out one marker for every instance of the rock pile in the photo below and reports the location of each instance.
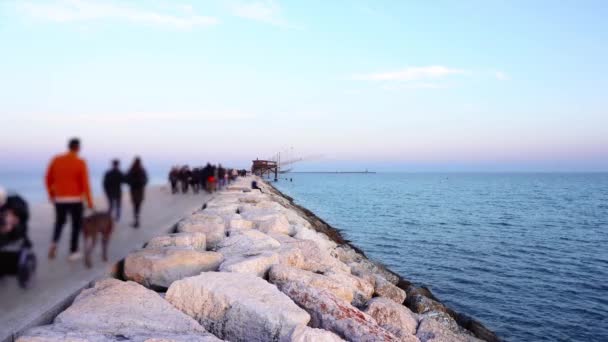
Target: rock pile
(251, 266)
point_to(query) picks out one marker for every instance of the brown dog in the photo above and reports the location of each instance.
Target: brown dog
(92, 225)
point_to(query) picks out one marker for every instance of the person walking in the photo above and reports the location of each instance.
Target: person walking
(112, 185)
(137, 180)
(173, 179)
(67, 185)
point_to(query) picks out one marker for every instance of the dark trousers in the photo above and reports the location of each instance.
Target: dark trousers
(114, 206)
(61, 214)
(137, 197)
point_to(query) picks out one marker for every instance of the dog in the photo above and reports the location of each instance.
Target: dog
(93, 225)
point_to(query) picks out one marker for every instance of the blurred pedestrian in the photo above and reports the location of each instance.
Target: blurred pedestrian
(16, 256)
(173, 179)
(221, 176)
(137, 179)
(184, 178)
(67, 184)
(112, 185)
(194, 180)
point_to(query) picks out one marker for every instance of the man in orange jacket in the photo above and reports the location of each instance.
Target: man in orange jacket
(67, 184)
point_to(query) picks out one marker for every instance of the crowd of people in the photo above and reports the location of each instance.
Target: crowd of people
(68, 188)
(209, 178)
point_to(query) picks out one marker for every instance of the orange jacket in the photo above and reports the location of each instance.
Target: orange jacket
(67, 179)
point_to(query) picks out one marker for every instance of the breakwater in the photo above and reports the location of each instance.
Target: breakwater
(254, 266)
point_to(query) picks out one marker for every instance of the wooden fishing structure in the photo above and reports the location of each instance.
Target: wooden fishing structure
(265, 168)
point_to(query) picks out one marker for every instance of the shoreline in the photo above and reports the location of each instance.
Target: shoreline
(465, 321)
(244, 250)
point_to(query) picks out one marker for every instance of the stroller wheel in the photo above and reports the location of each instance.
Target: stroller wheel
(26, 270)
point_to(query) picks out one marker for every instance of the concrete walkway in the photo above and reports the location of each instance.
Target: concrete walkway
(58, 280)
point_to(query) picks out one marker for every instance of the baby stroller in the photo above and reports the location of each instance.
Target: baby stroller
(16, 255)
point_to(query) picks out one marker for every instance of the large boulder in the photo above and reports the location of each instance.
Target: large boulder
(281, 275)
(419, 303)
(303, 333)
(441, 327)
(276, 224)
(125, 308)
(257, 265)
(237, 307)
(349, 256)
(307, 255)
(384, 288)
(211, 225)
(253, 198)
(157, 268)
(187, 240)
(236, 222)
(295, 219)
(324, 243)
(393, 317)
(247, 242)
(362, 290)
(332, 313)
(63, 333)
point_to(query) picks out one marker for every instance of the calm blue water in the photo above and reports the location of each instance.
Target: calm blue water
(527, 254)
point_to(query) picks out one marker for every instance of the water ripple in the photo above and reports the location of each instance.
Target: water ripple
(524, 253)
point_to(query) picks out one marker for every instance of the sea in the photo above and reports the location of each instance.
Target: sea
(526, 254)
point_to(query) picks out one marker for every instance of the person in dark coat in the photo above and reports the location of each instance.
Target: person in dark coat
(173, 179)
(137, 179)
(194, 180)
(202, 180)
(112, 182)
(184, 178)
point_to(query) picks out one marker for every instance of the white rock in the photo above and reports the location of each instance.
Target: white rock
(440, 327)
(237, 307)
(324, 243)
(211, 225)
(253, 198)
(393, 317)
(332, 313)
(350, 257)
(63, 333)
(277, 224)
(306, 334)
(125, 308)
(157, 268)
(246, 242)
(269, 205)
(281, 275)
(384, 288)
(295, 219)
(238, 223)
(187, 240)
(362, 290)
(257, 265)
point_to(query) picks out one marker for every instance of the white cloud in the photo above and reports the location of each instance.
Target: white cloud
(87, 10)
(502, 76)
(266, 11)
(412, 74)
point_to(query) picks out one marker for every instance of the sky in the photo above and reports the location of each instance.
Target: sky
(347, 85)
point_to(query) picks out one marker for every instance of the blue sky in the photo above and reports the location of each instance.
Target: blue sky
(387, 85)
